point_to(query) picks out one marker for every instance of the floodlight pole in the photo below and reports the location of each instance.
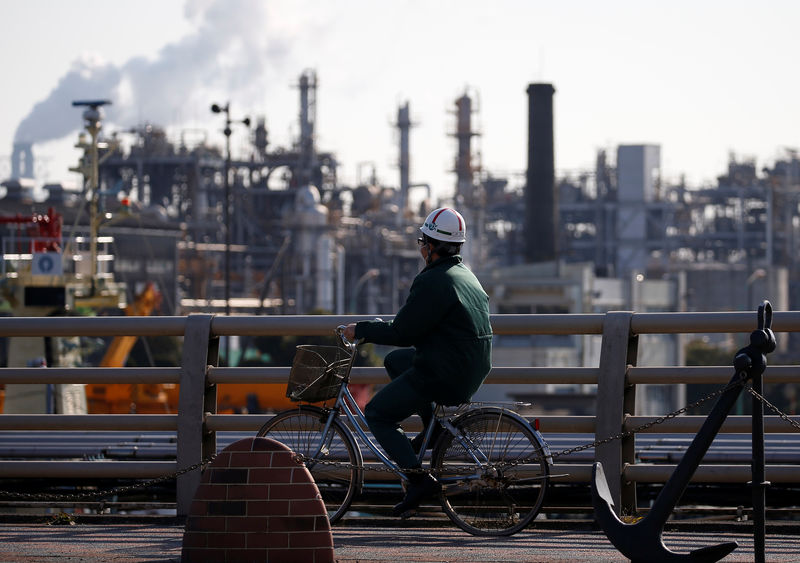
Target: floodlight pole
(215, 108)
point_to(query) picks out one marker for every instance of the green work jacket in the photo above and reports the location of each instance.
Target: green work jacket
(446, 320)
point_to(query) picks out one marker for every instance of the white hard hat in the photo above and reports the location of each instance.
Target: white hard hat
(445, 224)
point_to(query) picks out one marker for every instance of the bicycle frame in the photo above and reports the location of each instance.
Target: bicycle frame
(346, 404)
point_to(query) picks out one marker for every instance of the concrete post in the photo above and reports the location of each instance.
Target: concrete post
(615, 399)
(197, 397)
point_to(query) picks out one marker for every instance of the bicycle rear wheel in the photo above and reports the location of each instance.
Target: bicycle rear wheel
(336, 471)
(503, 494)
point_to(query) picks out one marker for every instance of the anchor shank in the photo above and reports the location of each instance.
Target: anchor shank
(678, 481)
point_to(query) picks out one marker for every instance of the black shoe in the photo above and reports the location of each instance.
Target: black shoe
(416, 443)
(420, 486)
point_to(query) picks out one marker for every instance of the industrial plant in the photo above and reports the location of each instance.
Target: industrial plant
(274, 232)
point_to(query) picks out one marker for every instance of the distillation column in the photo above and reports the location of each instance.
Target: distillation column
(469, 199)
(404, 126)
(308, 117)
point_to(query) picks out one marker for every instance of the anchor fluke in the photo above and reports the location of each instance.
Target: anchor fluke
(641, 542)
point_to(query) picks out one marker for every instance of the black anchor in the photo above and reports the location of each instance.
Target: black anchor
(642, 541)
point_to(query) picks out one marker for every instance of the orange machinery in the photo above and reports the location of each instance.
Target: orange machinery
(163, 398)
(121, 398)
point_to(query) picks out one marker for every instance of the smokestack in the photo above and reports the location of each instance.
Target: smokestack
(541, 205)
(404, 125)
(22, 161)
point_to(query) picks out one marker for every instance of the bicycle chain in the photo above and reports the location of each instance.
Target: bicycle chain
(108, 492)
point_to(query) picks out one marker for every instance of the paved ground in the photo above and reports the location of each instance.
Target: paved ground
(95, 543)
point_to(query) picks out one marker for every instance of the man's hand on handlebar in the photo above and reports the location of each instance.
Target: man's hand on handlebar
(349, 332)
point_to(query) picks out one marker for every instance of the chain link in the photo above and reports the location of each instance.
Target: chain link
(773, 408)
(105, 493)
(659, 420)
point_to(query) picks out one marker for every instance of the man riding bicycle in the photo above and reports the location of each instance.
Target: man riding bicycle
(447, 338)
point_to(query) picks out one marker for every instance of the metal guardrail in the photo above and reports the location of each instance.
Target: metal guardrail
(196, 423)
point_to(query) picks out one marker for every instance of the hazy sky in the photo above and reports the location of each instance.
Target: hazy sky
(701, 78)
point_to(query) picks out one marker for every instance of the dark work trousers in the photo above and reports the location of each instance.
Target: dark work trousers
(394, 403)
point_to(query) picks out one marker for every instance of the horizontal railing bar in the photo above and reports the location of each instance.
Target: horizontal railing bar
(87, 469)
(97, 505)
(56, 422)
(574, 473)
(664, 375)
(92, 326)
(691, 424)
(701, 322)
(90, 375)
(236, 422)
(253, 422)
(317, 325)
(498, 375)
(646, 473)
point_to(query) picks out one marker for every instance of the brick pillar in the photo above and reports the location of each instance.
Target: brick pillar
(255, 503)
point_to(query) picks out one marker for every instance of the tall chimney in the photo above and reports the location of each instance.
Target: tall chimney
(404, 126)
(541, 205)
(22, 161)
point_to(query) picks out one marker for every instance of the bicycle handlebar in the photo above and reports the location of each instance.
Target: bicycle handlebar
(340, 333)
(339, 330)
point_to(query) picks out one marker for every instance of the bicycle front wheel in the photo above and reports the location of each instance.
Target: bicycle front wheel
(494, 473)
(335, 459)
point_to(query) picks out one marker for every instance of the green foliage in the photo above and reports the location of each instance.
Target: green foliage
(701, 353)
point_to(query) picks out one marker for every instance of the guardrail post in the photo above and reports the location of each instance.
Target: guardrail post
(196, 398)
(619, 350)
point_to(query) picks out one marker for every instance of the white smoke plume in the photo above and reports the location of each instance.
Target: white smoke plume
(228, 52)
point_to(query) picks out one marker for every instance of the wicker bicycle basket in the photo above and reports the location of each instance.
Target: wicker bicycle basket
(317, 373)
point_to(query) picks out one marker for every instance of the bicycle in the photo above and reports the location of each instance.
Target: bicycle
(493, 465)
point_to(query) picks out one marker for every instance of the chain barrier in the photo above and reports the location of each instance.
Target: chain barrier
(655, 422)
(108, 492)
(563, 453)
(773, 408)
(301, 458)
